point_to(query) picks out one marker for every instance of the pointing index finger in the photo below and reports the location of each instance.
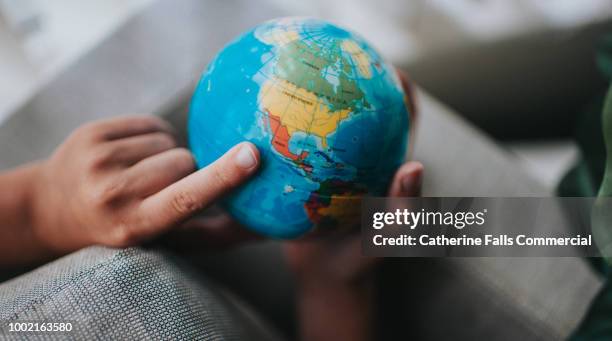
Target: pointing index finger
(198, 190)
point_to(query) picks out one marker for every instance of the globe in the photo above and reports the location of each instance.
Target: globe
(328, 115)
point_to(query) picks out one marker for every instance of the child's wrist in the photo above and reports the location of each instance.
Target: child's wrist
(349, 304)
(30, 175)
(38, 207)
(23, 205)
(315, 285)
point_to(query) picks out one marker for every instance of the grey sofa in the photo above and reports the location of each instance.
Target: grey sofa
(151, 65)
(127, 294)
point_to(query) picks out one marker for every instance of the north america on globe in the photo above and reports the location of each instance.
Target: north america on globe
(328, 115)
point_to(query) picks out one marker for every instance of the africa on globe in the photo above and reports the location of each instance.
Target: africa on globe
(328, 115)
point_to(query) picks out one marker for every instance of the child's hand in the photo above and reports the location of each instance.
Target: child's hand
(338, 261)
(333, 277)
(122, 181)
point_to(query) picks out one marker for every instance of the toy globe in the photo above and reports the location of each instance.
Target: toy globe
(328, 115)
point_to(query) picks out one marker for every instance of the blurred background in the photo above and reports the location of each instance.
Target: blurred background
(40, 38)
(464, 52)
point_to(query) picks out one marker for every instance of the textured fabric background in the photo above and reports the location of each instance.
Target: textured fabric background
(127, 294)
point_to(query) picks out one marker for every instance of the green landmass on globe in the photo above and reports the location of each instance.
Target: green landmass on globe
(329, 117)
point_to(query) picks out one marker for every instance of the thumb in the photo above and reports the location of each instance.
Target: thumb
(407, 180)
(191, 194)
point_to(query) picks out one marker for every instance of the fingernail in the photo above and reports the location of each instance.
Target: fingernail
(245, 158)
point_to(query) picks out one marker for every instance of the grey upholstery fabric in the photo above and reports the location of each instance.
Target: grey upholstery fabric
(127, 294)
(536, 298)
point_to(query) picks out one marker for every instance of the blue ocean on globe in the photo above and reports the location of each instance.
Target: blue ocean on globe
(328, 115)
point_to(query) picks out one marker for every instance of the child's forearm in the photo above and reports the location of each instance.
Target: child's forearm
(335, 312)
(19, 244)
